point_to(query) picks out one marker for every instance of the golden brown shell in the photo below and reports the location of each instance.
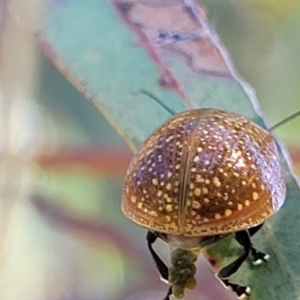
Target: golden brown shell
(204, 172)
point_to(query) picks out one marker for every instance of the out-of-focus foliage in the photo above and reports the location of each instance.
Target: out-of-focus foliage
(261, 39)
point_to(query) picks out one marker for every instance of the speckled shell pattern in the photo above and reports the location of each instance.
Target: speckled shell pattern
(204, 172)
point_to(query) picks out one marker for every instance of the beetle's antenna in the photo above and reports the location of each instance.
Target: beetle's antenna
(152, 96)
(285, 120)
(172, 112)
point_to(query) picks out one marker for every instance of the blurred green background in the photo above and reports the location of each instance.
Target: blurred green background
(71, 240)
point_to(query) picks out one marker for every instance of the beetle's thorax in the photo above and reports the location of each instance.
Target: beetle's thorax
(190, 243)
(180, 241)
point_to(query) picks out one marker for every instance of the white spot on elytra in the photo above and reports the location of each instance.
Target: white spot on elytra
(228, 212)
(153, 213)
(196, 205)
(197, 192)
(196, 158)
(169, 208)
(205, 190)
(154, 181)
(199, 178)
(216, 182)
(218, 216)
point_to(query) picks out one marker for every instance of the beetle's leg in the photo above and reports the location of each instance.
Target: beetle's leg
(258, 257)
(242, 291)
(255, 229)
(168, 294)
(160, 265)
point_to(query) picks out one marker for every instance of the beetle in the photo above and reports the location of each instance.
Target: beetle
(201, 176)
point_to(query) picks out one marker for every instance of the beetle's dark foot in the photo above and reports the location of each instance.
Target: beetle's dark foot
(242, 292)
(259, 257)
(168, 294)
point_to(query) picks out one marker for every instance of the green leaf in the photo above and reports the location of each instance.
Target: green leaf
(110, 51)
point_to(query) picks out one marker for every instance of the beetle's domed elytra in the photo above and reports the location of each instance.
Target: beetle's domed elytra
(204, 172)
